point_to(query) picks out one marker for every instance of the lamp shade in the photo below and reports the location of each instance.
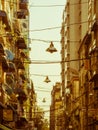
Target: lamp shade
(47, 80)
(44, 100)
(51, 48)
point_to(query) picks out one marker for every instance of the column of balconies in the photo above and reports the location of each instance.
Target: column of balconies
(14, 51)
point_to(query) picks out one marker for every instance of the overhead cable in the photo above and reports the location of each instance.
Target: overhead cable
(66, 25)
(50, 28)
(48, 41)
(55, 62)
(59, 5)
(42, 90)
(53, 5)
(45, 5)
(43, 75)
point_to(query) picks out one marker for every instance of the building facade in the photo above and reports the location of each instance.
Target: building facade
(15, 84)
(79, 64)
(56, 108)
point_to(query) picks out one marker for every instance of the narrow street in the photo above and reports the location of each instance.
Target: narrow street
(49, 65)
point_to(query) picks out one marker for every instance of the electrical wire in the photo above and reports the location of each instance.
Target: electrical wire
(71, 101)
(49, 5)
(61, 107)
(46, 5)
(39, 87)
(32, 39)
(48, 41)
(59, 5)
(55, 62)
(42, 90)
(49, 110)
(56, 27)
(43, 75)
(43, 29)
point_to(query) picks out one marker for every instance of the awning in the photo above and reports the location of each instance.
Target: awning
(3, 14)
(10, 55)
(3, 127)
(20, 43)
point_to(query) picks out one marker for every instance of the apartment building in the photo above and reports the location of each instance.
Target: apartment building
(56, 108)
(70, 34)
(88, 71)
(15, 82)
(79, 72)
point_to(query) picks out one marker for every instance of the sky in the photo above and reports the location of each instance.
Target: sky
(43, 17)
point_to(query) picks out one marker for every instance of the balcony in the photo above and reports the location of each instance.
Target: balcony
(21, 14)
(21, 94)
(9, 78)
(58, 99)
(23, 55)
(23, 4)
(7, 89)
(57, 89)
(23, 76)
(19, 64)
(11, 67)
(16, 27)
(20, 43)
(5, 20)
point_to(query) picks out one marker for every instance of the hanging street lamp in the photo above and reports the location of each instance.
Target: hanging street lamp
(51, 48)
(47, 80)
(44, 100)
